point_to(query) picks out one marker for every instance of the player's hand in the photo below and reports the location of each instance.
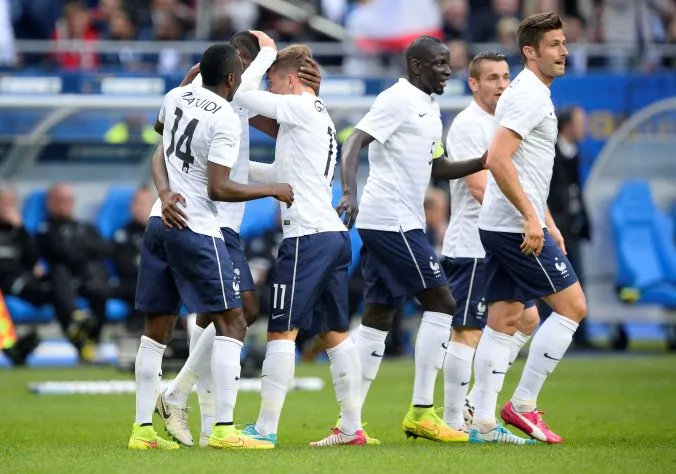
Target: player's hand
(309, 75)
(348, 206)
(172, 215)
(264, 40)
(192, 74)
(534, 237)
(283, 192)
(558, 238)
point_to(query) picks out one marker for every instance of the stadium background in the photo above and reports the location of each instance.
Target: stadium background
(81, 83)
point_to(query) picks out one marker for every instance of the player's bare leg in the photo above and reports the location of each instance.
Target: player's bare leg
(547, 349)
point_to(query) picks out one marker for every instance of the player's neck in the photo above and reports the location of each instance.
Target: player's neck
(546, 80)
(490, 111)
(415, 82)
(216, 90)
(307, 89)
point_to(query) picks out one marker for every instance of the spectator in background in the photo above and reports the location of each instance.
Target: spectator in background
(127, 244)
(507, 29)
(21, 275)
(577, 59)
(231, 16)
(75, 24)
(102, 15)
(485, 27)
(537, 6)
(459, 52)
(455, 14)
(123, 26)
(168, 28)
(75, 252)
(565, 194)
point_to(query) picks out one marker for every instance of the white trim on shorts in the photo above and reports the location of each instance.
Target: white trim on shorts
(551, 283)
(469, 293)
(422, 278)
(220, 274)
(293, 284)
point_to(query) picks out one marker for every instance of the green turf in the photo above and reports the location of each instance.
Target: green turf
(615, 413)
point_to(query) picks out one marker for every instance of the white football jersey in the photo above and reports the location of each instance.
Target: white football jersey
(406, 125)
(526, 108)
(305, 157)
(468, 138)
(199, 126)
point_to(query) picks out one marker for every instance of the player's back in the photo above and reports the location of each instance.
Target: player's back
(525, 108)
(305, 157)
(406, 125)
(199, 126)
(468, 138)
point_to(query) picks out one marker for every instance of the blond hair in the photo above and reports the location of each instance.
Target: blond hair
(292, 57)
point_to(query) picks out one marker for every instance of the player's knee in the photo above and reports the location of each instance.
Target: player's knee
(439, 300)
(332, 338)
(378, 317)
(466, 336)
(529, 320)
(579, 308)
(505, 316)
(230, 323)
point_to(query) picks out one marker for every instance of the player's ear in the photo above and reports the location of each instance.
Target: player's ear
(415, 66)
(473, 84)
(529, 51)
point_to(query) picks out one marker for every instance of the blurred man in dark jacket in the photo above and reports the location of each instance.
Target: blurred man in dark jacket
(127, 243)
(565, 193)
(75, 252)
(21, 274)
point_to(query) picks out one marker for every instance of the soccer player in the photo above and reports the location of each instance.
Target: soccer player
(402, 129)
(310, 280)
(200, 133)
(464, 265)
(172, 404)
(525, 253)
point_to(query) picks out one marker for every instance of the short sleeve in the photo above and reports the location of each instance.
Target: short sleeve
(225, 139)
(522, 112)
(160, 116)
(385, 116)
(466, 140)
(197, 82)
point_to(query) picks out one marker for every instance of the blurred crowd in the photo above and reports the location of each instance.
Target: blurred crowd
(379, 28)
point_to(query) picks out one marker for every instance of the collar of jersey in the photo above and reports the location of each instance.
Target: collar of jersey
(532, 77)
(415, 91)
(481, 111)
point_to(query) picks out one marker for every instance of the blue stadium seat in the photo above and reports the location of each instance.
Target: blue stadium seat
(116, 310)
(115, 210)
(34, 210)
(23, 312)
(646, 258)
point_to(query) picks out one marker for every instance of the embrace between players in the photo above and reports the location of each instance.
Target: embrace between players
(502, 248)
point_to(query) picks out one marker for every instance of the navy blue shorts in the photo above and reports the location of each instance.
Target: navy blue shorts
(310, 284)
(395, 264)
(467, 281)
(513, 276)
(181, 265)
(236, 251)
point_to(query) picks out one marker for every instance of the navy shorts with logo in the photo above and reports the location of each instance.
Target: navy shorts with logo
(511, 275)
(310, 284)
(181, 265)
(236, 251)
(467, 281)
(395, 264)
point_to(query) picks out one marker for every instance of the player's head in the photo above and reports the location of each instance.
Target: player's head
(543, 44)
(221, 69)
(488, 78)
(428, 64)
(247, 47)
(283, 74)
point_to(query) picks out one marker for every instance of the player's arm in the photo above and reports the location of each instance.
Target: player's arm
(349, 166)
(191, 75)
(477, 185)
(443, 168)
(223, 151)
(554, 231)
(172, 215)
(500, 152)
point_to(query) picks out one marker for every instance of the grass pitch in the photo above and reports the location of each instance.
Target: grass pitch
(616, 414)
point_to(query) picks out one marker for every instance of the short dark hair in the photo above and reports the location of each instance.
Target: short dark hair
(217, 62)
(420, 47)
(534, 27)
(475, 63)
(246, 42)
(565, 116)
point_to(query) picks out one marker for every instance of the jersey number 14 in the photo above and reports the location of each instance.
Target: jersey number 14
(185, 140)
